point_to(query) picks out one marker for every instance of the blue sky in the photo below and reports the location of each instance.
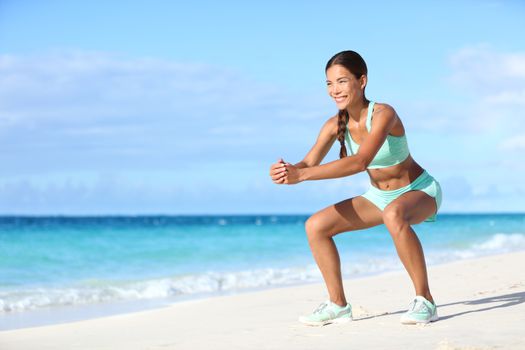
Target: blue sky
(160, 107)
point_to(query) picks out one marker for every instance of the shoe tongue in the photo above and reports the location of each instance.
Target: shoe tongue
(422, 300)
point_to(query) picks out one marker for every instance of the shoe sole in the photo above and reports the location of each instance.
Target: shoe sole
(432, 319)
(339, 320)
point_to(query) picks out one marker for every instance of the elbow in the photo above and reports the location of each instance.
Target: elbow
(361, 164)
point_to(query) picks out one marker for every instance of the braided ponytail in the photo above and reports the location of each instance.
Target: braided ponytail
(342, 121)
(355, 64)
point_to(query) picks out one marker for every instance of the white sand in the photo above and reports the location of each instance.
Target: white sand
(481, 304)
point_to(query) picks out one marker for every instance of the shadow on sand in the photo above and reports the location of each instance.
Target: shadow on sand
(485, 304)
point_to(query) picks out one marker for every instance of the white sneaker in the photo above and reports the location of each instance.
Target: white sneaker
(420, 310)
(326, 313)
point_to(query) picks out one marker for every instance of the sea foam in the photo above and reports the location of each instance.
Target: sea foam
(95, 291)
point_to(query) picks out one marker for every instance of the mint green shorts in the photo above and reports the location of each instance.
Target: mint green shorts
(424, 182)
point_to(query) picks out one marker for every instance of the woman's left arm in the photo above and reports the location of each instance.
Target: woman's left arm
(384, 120)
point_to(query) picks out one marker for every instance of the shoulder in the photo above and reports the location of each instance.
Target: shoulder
(332, 121)
(384, 113)
(384, 110)
(331, 125)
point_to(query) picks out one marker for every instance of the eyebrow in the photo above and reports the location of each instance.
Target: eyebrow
(329, 81)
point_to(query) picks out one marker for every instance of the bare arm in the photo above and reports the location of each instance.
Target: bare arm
(325, 140)
(384, 119)
(320, 149)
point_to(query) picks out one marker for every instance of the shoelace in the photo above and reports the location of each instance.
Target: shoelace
(320, 308)
(418, 306)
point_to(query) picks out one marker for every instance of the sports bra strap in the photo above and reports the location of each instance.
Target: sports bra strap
(369, 116)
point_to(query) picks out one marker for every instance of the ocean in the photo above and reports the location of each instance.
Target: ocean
(53, 266)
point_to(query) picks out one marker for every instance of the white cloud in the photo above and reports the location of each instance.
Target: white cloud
(73, 86)
(514, 143)
(493, 86)
(507, 98)
(97, 110)
(71, 113)
(485, 71)
(483, 93)
(98, 86)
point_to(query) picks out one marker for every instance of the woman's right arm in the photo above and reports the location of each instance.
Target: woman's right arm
(324, 142)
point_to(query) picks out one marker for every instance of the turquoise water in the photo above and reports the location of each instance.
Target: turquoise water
(49, 262)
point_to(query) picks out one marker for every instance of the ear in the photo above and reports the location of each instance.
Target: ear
(363, 81)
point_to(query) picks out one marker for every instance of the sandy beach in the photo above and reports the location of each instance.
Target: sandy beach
(481, 304)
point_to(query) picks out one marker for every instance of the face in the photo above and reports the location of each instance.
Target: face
(343, 86)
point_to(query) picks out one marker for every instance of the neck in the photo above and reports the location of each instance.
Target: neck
(355, 111)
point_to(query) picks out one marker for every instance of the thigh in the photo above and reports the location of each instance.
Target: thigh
(349, 215)
(413, 206)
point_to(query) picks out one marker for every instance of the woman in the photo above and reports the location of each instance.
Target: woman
(401, 194)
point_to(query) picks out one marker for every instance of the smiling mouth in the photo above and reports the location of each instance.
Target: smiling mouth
(340, 99)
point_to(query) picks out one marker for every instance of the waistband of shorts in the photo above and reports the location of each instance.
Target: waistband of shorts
(423, 177)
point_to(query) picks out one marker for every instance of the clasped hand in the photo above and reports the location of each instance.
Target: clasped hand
(284, 173)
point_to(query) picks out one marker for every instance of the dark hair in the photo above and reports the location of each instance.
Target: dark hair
(356, 65)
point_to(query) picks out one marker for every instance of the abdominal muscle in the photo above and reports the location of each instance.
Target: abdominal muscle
(396, 176)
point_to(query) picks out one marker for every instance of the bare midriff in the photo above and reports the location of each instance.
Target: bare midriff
(395, 176)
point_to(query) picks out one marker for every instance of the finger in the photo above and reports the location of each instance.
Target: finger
(278, 177)
(277, 172)
(281, 175)
(279, 181)
(276, 167)
(280, 167)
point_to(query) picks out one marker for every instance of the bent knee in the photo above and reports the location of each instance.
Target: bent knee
(316, 227)
(394, 217)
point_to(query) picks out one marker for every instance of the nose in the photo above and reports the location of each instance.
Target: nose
(334, 90)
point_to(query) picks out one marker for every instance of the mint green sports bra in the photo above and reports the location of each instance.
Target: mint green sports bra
(393, 151)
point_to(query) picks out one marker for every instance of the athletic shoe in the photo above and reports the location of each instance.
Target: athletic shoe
(420, 311)
(326, 313)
